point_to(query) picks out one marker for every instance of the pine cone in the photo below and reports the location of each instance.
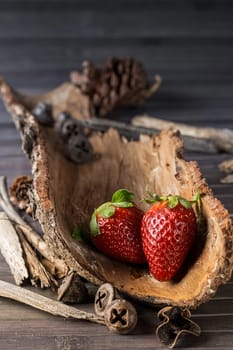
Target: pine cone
(20, 193)
(120, 82)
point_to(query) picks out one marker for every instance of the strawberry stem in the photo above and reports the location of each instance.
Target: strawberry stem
(172, 200)
(123, 198)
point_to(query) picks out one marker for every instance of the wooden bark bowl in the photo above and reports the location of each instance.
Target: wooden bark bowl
(66, 194)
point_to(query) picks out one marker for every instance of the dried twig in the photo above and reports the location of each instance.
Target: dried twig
(191, 143)
(213, 139)
(226, 167)
(8, 290)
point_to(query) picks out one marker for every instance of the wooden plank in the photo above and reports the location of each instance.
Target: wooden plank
(117, 24)
(210, 60)
(60, 5)
(39, 335)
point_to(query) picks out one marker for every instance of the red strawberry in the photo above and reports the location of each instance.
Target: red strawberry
(168, 230)
(115, 228)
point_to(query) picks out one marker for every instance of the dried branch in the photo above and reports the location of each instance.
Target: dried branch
(8, 290)
(191, 143)
(215, 139)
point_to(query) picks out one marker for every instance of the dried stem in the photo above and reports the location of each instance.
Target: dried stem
(8, 290)
(191, 143)
(218, 139)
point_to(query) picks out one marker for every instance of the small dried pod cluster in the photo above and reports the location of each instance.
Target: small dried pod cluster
(77, 146)
(73, 134)
(120, 82)
(119, 314)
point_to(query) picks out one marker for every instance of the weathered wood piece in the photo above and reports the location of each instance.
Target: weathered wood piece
(11, 249)
(154, 162)
(213, 139)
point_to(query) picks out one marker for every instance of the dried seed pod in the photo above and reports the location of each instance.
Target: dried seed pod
(174, 323)
(43, 113)
(73, 289)
(70, 128)
(120, 317)
(104, 298)
(79, 149)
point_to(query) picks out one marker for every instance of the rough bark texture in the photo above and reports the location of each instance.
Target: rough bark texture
(66, 194)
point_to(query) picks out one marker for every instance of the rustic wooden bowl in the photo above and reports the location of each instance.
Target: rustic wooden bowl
(65, 195)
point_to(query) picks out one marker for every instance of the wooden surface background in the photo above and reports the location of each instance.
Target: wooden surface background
(190, 44)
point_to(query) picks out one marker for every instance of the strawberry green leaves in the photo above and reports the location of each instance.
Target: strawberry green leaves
(79, 234)
(122, 198)
(172, 200)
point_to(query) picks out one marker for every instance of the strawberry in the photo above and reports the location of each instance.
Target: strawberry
(115, 228)
(168, 230)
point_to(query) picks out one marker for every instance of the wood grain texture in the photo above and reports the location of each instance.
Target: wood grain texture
(188, 42)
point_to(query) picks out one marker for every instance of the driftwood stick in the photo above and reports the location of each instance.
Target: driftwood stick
(220, 139)
(33, 237)
(191, 143)
(11, 249)
(8, 290)
(226, 166)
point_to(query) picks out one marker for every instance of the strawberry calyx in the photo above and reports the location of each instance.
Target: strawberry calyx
(172, 200)
(121, 198)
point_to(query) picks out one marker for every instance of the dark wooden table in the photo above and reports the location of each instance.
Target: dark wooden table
(190, 44)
